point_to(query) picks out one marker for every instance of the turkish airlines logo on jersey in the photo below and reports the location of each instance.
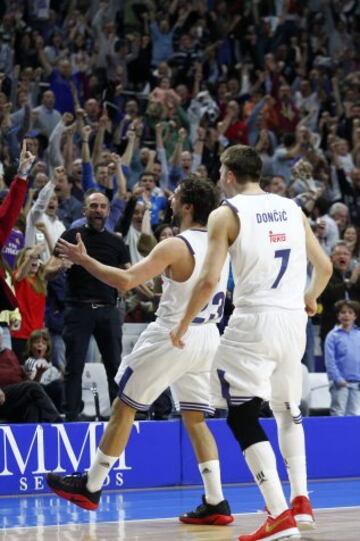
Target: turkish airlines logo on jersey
(277, 237)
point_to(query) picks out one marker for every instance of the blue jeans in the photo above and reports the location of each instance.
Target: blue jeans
(346, 400)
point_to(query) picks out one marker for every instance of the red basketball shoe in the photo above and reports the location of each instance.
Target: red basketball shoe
(303, 513)
(281, 527)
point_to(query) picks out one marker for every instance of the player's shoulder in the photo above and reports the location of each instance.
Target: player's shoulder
(183, 241)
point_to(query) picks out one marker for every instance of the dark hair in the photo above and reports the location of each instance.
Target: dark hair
(289, 139)
(322, 205)
(265, 182)
(244, 162)
(147, 174)
(201, 194)
(100, 164)
(354, 305)
(160, 228)
(356, 249)
(340, 244)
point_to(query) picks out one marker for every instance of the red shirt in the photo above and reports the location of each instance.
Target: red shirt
(237, 133)
(31, 306)
(287, 117)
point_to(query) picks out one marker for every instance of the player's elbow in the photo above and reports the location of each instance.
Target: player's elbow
(123, 284)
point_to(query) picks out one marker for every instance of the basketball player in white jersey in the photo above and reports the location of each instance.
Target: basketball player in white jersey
(154, 363)
(259, 357)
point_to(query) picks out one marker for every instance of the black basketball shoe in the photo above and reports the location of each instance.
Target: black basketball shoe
(218, 515)
(73, 488)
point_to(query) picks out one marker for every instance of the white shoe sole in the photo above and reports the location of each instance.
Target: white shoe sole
(305, 522)
(291, 533)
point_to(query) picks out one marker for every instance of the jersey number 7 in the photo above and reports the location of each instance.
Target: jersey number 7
(284, 256)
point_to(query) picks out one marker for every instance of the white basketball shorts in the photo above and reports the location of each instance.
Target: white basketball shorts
(155, 364)
(260, 356)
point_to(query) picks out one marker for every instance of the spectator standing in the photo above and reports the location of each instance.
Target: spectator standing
(162, 37)
(9, 211)
(154, 197)
(63, 83)
(351, 236)
(70, 208)
(90, 305)
(343, 284)
(285, 157)
(46, 117)
(30, 290)
(10, 320)
(42, 222)
(342, 360)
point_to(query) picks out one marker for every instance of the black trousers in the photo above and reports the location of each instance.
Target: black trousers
(55, 390)
(82, 321)
(27, 402)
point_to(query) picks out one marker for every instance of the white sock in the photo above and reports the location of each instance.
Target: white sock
(210, 473)
(99, 470)
(292, 447)
(296, 469)
(262, 463)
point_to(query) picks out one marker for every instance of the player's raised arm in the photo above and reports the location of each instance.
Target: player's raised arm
(162, 256)
(322, 269)
(223, 227)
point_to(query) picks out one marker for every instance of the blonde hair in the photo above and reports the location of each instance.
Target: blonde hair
(39, 284)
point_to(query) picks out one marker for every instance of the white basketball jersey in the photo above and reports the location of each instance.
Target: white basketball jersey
(176, 295)
(268, 257)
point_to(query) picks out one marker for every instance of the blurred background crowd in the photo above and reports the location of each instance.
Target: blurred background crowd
(127, 98)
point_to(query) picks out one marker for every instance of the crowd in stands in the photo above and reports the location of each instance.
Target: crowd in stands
(126, 99)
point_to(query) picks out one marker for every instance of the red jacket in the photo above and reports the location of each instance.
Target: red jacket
(9, 212)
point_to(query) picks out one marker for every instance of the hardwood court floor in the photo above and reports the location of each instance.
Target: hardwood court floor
(134, 515)
(332, 525)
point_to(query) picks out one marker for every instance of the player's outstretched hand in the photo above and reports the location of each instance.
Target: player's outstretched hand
(176, 336)
(74, 252)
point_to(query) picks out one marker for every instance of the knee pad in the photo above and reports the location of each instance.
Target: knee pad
(243, 421)
(286, 413)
